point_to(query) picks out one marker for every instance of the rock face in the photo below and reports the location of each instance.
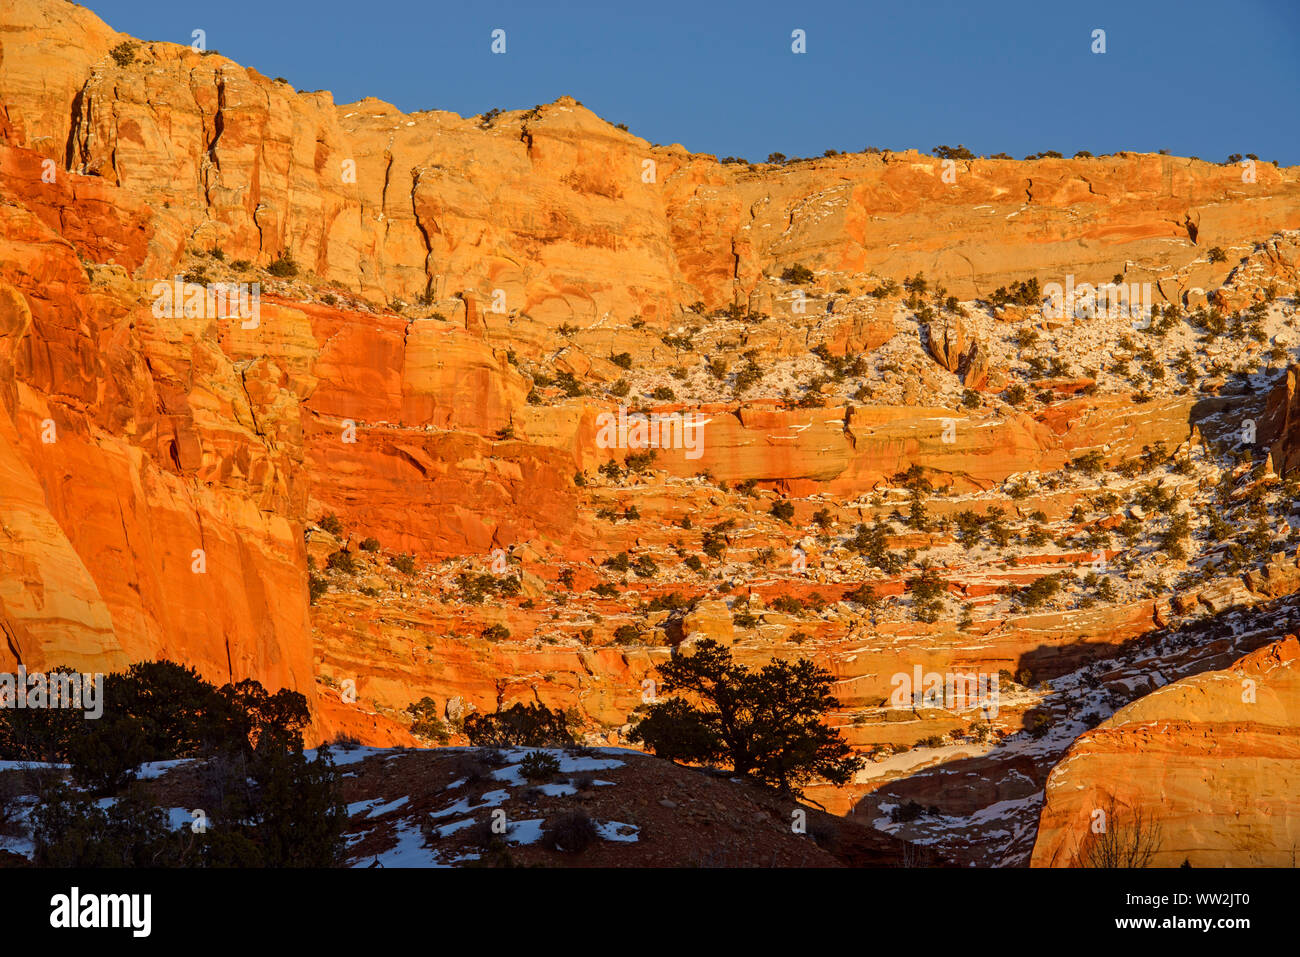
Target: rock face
(556, 207)
(451, 309)
(1213, 760)
(954, 348)
(949, 343)
(146, 515)
(1279, 430)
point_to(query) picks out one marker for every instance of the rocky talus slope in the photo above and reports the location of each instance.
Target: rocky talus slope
(906, 461)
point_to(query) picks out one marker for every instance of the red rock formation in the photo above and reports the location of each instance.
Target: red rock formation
(420, 428)
(1279, 429)
(1212, 761)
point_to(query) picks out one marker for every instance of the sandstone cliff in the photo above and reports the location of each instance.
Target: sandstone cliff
(1214, 760)
(448, 305)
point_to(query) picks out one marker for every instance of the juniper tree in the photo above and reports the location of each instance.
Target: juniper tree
(767, 724)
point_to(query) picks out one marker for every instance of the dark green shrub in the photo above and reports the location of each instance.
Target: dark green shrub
(124, 53)
(105, 760)
(341, 561)
(640, 461)
(426, 723)
(767, 723)
(573, 833)
(798, 274)
(520, 726)
(283, 266)
(627, 635)
(539, 766)
(69, 829)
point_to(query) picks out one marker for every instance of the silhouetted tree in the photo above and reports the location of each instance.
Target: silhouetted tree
(520, 726)
(766, 723)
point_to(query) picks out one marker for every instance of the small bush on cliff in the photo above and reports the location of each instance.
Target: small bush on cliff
(474, 588)
(766, 723)
(798, 274)
(341, 561)
(329, 522)
(1039, 591)
(673, 601)
(1217, 255)
(426, 723)
(640, 461)
(519, 726)
(749, 375)
(864, 595)
(569, 385)
(1091, 463)
(627, 635)
(783, 510)
(928, 590)
(906, 811)
(953, 152)
(872, 542)
(404, 563)
(124, 53)
(283, 266)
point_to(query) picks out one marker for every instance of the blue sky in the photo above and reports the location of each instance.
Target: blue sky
(1193, 77)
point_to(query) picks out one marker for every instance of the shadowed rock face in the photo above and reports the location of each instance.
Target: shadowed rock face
(1279, 430)
(469, 297)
